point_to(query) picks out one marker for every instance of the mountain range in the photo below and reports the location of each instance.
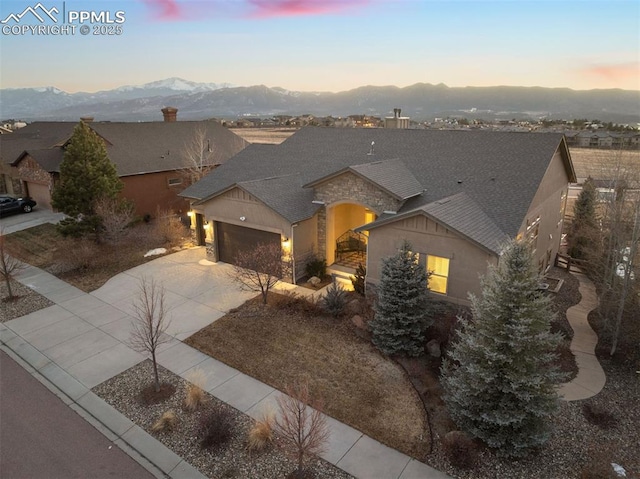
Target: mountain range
(422, 101)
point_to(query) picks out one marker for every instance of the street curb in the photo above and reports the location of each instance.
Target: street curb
(143, 448)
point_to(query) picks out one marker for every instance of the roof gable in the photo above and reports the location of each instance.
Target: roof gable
(458, 213)
(391, 176)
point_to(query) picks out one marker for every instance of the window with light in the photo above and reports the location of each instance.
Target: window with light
(439, 269)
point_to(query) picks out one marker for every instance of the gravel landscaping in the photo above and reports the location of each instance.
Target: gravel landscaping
(231, 461)
(25, 301)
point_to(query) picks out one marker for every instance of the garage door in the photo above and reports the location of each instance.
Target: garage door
(233, 239)
(40, 193)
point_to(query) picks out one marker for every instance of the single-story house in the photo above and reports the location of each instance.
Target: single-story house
(150, 157)
(354, 195)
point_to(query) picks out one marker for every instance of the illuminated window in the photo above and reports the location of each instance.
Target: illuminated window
(439, 269)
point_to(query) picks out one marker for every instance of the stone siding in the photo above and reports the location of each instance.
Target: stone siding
(29, 170)
(351, 188)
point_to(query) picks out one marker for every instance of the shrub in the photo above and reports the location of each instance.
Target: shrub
(335, 299)
(167, 422)
(261, 434)
(168, 229)
(358, 280)
(292, 302)
(195, 395)
(215, 429)
(598, 416)
(460, 449)
(316, 267)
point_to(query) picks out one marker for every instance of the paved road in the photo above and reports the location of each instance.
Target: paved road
(41, 437)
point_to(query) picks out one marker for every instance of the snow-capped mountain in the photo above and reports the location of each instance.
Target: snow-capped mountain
(420, 101)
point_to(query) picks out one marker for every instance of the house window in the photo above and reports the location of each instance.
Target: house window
(175, 181)
(439, 269)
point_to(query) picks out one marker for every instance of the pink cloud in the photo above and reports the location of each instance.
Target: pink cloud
(612, 72)
(165, 9)
(187, 10)
(292, 8)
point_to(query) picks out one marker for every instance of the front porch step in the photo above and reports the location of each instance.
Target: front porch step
(341, 271)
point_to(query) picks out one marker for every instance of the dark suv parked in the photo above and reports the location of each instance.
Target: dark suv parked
(10, 204)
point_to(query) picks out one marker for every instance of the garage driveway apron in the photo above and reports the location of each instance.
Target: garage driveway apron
(82, 341)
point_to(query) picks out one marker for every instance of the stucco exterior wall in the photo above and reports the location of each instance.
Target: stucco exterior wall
(427, 237)
(237, 203)
(305, 244)
(549, 206)
(152, 191)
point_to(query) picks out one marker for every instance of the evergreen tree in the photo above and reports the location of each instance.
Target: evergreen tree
(499, 379)
(583, 226)
(86, 176)
(403, 309)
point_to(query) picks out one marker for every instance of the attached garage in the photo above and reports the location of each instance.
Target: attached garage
(40, 194)
(233, 239)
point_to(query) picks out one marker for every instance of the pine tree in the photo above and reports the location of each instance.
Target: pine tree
(583, 226)
(86, 176)
(499, 379)
(403, 309)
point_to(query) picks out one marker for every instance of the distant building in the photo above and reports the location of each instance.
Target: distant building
(397, 121)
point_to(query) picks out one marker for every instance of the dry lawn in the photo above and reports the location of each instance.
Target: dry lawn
(83, 262)
(602, 164)
(279, 344)
(270, 136)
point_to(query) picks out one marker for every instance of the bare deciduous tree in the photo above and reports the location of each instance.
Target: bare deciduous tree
(8, 264)
(259, 269)
(199, 156)
(301, 424)
(116, 215)
(150, 322)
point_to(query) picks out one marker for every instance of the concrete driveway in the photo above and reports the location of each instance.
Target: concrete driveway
(23, 221)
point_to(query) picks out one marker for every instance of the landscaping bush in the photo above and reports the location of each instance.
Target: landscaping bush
(168, 229)
(292, 302)
(167, 422)
(215, 429)
(460, 449)
(335, 299)
(358, 280)
(599, 416)
(195, 395)
(316, 267)
(261, 434)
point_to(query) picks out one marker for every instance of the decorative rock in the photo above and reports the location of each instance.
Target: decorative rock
(353, 306)
(359, 322)
(315, 281)
(433, 348)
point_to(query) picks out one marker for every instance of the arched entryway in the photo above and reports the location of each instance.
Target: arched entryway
(344, 245)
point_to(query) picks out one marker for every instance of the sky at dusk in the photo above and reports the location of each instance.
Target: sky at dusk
(328, 45)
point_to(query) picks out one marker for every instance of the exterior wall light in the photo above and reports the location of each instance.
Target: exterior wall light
(243, 218)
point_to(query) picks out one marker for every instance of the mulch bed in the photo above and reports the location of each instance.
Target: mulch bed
(232, 460)
(25, 301)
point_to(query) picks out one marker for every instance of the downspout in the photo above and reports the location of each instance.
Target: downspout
(293, 260)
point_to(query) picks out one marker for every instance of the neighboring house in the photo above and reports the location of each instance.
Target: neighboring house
(353, 195)
(149, 156)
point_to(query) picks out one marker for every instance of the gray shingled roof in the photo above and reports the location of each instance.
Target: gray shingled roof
(49, 158)
(390, 175)
(460, 213)
(498, 171)
(134, 148)
(279, 196)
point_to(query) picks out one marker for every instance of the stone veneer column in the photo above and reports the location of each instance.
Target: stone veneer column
(322, 232)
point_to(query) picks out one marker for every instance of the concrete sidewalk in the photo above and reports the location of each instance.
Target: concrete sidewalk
(81, 342)
(591, 378)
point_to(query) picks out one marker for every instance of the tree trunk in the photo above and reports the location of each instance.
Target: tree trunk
(9, 287)
(155, 371)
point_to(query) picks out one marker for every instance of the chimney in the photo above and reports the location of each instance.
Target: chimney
(170, 113)
(86, 119)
